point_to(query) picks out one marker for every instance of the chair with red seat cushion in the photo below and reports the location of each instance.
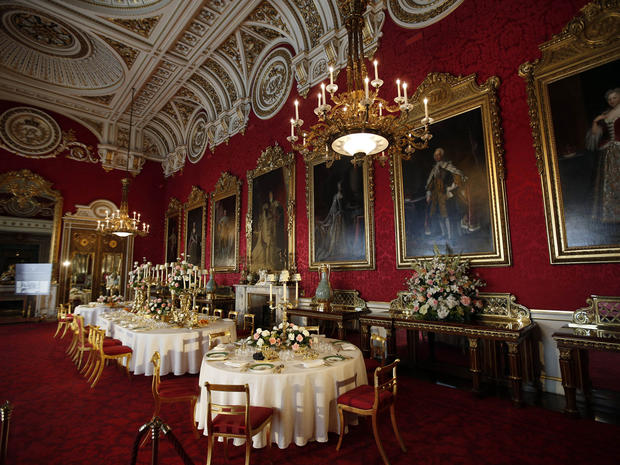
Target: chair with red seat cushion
(181, 389)
(65, 318)
(88, 368)
(235, 421)
(370, 401)
(105, 353)
(248, 326)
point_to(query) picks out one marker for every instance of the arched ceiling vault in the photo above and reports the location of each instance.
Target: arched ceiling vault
(198, 67)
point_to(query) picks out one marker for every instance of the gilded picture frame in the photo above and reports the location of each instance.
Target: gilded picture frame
(270, 219)
(340, 208)
(570, 91)
(451, 195)
(224, 221)
(195, 222)
(172, 230)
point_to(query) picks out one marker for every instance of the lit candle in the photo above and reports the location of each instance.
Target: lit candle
(292, 128)
(425, 107)
(284, 296)
(398, 86)
(296, 110)
(134, 215)
(323, 93)
(376, 72)
(366, 86)
(405, 91)
(296, 290)
(380, 109)
(331, 75)
(270, 292)
(319, 100)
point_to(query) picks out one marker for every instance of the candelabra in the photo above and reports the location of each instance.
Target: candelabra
(283, 303)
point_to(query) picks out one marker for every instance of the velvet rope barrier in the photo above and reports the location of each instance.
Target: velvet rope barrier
(156, 425)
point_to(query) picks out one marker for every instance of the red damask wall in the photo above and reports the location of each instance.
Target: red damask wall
(485, 37)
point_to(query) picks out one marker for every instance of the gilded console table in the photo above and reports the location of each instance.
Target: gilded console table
(596, 327)
(502, 321)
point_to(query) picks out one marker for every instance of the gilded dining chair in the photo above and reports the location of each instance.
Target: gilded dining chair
(65, 317)
(369, 400)
(241, 421)
(223, 337)
(105, 353)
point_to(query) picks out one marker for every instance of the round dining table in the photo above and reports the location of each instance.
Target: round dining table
(181, 349)
(303, 394)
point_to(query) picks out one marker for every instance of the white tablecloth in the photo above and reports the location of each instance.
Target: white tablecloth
(91, 314)
(181, 349)
(303, 399)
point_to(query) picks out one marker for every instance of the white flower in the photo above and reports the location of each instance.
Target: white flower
(424, 309)
(291, 336)
(259, 330)
(265, 333)
(295, 328)
(442, 312)
(305, 333)
(260, 342)
(451, 302)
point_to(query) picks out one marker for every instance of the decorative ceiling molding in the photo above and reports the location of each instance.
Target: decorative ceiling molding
(415, 14)
(199, 68)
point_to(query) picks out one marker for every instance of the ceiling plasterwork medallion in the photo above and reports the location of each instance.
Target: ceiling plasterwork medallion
(38, 46)
(198, 138)
(29, 132)
(272, 84)
(415, 14)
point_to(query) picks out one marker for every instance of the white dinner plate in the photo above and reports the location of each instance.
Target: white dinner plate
(334, 358)
(262, 367)
(216, 356)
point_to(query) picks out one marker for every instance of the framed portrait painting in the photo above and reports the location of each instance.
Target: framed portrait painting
(451, 194)
(225, 210)
(172, 229)
(270, 232)
(195, 217)
(574, 99)
(340, 214)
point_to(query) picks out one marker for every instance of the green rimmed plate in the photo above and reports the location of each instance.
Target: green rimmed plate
(216, 356)
(262, 367)
(334, 358)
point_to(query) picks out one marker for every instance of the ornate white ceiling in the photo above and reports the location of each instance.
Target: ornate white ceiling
(198, 66)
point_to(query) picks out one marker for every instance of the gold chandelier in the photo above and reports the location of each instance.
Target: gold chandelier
(360, 124)
(119, 222)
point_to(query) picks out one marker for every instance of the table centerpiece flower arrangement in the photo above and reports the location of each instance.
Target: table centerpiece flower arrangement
(283, 336)
(159, 308)
(136, 277)
(443, 289)
(179, 276)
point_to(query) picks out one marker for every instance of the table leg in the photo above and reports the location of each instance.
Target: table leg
(474, 364)
(515, 373)
(365, 339)
(567, 367)
(412, 339)
(390, 339)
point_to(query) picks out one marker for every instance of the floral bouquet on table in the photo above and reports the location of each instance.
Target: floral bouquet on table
(284, 335)
(159, 307)
(178, 278)
(443, 289)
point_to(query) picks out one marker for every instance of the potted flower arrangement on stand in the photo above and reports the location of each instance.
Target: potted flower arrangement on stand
(443, 289)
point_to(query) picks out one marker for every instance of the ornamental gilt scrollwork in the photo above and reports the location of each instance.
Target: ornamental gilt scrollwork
(420, 13)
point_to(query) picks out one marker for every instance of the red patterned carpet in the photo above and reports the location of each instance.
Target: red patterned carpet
(59, 420)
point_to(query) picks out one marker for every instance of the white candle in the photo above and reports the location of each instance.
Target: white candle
(270, 292)
(296, 110)
(398, 86)
(366, 86)
(425, 107)
(405, 91)
(323, 93)
(296, 290)
(292, 128)
(376, 72)
(331, 75)
(284, 295)
(319, 100)
(380, 109)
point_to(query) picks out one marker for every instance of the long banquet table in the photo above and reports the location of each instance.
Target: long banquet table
(91, 312)
(303, 399)
(181, 349)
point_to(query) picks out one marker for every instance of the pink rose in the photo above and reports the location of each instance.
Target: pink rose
(295, 346)
(272, 340)
(430, 282)
(256, 336)
(299, 338)
(465, 300)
